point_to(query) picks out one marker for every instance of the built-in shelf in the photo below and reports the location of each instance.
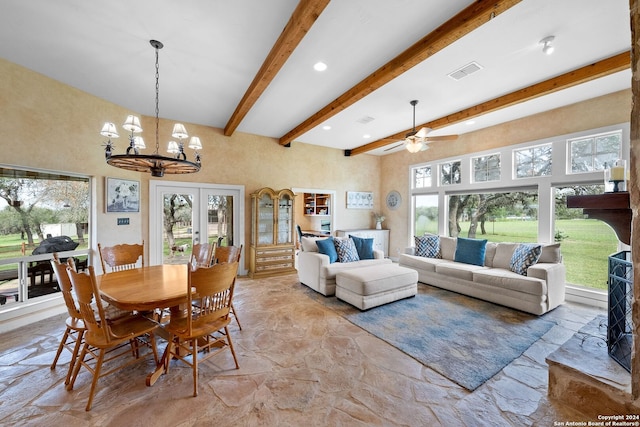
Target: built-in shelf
(612, 208)
(317, 204)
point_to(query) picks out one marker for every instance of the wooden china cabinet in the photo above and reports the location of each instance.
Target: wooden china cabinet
(272, 248)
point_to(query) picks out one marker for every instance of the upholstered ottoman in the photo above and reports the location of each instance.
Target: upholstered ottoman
(375, 285)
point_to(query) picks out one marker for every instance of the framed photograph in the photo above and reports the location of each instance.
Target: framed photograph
(122, 195)
(359, 200)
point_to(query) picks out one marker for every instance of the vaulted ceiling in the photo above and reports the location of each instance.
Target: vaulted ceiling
(247, 65)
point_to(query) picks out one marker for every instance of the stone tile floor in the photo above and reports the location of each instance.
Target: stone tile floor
(301, 364)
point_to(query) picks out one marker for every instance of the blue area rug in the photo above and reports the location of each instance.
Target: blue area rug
(465, 339)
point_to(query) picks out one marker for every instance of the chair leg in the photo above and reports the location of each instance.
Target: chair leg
(96, 376)
(233, 352)
(233, 310)
(63, 341)
(77, 366)
(74, 356)
(195, 366)
(152, 340)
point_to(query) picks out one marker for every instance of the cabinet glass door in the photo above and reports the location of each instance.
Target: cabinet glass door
(285, 218)
(265, 220)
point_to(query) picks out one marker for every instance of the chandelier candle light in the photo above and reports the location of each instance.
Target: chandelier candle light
(154, 163)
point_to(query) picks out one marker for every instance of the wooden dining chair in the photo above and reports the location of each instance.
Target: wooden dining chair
(105, 341)
(202, 253)
(204, 332)
(72, 338)
(121, 257)
(224, 254)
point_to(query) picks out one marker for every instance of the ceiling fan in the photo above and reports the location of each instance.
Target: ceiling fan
(416, 141)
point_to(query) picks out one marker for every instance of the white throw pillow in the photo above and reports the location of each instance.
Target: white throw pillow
(309, 243)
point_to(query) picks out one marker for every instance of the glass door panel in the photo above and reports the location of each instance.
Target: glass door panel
(265, 220)
(285, 216)
(178, 231)
(220, 219)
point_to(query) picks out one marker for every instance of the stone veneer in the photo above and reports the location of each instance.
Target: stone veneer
(584, 376)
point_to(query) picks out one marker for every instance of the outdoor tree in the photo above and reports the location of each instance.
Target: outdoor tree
(22, 195)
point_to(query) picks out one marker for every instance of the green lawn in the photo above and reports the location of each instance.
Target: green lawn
(586, 245)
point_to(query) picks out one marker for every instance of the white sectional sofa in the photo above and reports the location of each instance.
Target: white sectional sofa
(316, 272)
(541, 289)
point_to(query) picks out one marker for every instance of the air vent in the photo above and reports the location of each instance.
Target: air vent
(465, 71)
(365, 120)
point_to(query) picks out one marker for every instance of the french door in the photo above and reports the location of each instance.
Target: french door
(183, 214)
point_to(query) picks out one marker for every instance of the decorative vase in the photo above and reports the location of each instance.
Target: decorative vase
(378, 225)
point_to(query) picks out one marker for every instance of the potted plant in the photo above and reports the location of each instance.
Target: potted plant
(379, 218)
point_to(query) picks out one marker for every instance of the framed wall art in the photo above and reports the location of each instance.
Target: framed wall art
(122, 195)
(359, 200)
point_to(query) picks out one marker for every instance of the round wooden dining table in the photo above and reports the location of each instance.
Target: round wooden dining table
(147, 289)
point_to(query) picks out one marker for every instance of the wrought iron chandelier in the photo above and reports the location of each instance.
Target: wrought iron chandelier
(416, 141)
(154, 163)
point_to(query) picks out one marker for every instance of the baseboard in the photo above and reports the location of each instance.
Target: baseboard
(585, 296)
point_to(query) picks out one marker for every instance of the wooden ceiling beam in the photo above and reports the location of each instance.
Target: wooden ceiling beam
(302, 18)
(470, 18)
(581, 75)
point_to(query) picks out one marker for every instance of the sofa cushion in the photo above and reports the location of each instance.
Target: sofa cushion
(551, 253)
(490, 253)
(326, 246)
(470, 251)
(328, 272)
(427, 246)
(309, 243)
(504, 252)
(420, 263)
(458, 270)
(505, 279)
(364, 246)
(447, 247)
(524, 256)
(346, 250)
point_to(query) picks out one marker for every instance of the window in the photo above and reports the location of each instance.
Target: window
(422, 177)
(533, 161)
(586, 243)
(40, 213)
(426, 214)
(450, 173)
(497, 217)
(593, 153)
(486, 168)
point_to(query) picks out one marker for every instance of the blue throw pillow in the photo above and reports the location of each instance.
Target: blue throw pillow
(470, 251)
(364, 246)
(326, 246)
(524, 256)
(346, 250)
(427, 246)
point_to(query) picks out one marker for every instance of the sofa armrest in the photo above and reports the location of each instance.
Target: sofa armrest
(411, 250)
(309, 265)
(554, 274)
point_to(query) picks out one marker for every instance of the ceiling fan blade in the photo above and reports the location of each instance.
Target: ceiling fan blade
(394, 147)
(422, 133)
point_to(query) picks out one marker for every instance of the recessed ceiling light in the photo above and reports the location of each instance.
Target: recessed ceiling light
(366, 136)
(326, 127)
(469, 122)
(320, 66)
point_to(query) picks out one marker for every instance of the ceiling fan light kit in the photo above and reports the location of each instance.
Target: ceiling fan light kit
(415, 141)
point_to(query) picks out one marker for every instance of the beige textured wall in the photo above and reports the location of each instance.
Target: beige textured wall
(48, 125)
(598, 112)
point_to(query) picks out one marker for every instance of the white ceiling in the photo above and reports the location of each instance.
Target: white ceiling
(214, 48)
